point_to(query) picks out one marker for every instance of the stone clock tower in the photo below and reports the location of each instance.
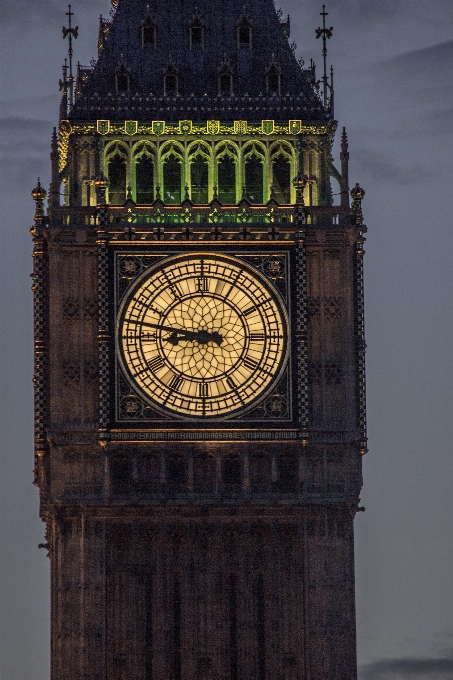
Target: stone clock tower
(199, 355)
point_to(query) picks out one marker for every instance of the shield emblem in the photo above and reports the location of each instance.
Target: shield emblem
(267, 126)
(213, 127)
(240, 127)
(295, 127)
(158, 127)
(185, 127)
(131, 127)
(103, 127)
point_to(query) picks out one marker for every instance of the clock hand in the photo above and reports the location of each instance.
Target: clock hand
(202, 337)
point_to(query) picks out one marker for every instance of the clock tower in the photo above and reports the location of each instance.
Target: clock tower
(199, 355)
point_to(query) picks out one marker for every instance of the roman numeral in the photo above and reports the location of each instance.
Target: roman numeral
(176, 291)
(203, 390)
(231, 384)
(255, 337)
(249, 310)
(156, 363)
(176, 382)
(147, 336)
(250, 363)
(202, 284)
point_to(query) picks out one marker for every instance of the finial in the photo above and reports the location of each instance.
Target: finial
(357, 194)
(129, 193)
(326, 34)
(70, 33)
(38, 195)
(100, 184)
(273, 197)
(158, 196)
(215, 196)
(186, 193)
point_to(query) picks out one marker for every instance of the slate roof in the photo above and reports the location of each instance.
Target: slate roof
(197, 68)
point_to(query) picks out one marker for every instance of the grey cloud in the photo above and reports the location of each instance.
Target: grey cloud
(408, 669)
(379, 167)
(43, 12)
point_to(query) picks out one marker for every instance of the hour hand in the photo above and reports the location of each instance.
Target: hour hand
(177, 334)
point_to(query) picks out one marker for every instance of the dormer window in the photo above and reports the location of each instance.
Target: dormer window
(196, 31)
(122, 79)
(148, 30)
(171, 82)
(244, 33)
(273, 80)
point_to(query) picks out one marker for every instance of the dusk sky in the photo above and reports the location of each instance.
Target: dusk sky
(393, 63)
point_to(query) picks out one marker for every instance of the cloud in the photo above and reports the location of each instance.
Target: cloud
(408, 669)
(44, 11)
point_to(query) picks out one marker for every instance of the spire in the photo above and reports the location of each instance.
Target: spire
(70, 33)
(326, 34)
(54, 192)
(344, 158)
(38, 195)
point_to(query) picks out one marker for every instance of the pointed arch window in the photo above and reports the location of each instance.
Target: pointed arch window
(122, 79)
(273, 80)
(281, 179)
(227, 180)
(244, 32)
(171, 82)
(148, 33)
(225, 81)
(196, 34)
(199, 179)
(117, 180)
(254, 179)
(172, 180)
(144, 179)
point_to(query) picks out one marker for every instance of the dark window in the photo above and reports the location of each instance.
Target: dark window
(122, 81)
(172, 181)
(148, 33)
(225, 83)
(203, 474)
(260, 473)
(176, 474)
(254, 180)
(199, 176)
(260, 626)
(177, 629)
(287, 474)
(231, 472)
(233, 628)
(144, 174)
(120, 472)
(117, 180)
(227, 180)
(196, 35)
(171, 84)
(273, 81)
(244, 34)
(281, 170)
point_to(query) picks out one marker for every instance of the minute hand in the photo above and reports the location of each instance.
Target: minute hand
(202, 337)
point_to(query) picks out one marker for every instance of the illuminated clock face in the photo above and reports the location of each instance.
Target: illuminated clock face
(202, 335)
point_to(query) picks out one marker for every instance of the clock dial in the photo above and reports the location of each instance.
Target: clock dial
(202, 335)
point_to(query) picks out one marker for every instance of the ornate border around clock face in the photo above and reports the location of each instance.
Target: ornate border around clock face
(134, 405)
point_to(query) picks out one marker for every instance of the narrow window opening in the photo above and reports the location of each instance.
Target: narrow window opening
(122, 80)
(117, 180)
(199, 177)
(227, 181)
(203, 474)
(281, 170)
(244, 34)
(254, 180)
(232, 472)
(176, 474)
(121, 475)
(273, 81)
(287, 478)
(196, 36)
(148, 33)
(225, 81)
(149, 628)
(260, 627)
(177, 629)
(233, 629)
(172, 181)
(144, 175)
(171, 84)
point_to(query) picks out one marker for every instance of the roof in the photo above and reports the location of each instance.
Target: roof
(129, 77)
